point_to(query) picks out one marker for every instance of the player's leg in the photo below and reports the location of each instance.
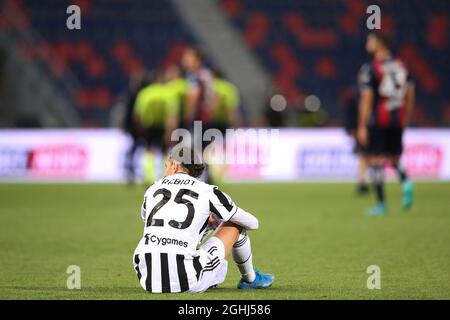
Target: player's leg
(155, 144)
(377, 172)
(376, 149)
(141, 264)
(237, 243)
(362, 185)
(395, 151)
(242, 256)
(129, 158)
(363, 167)
(214, 266)
(228, 233)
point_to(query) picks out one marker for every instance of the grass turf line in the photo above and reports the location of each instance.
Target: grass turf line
(313, 237)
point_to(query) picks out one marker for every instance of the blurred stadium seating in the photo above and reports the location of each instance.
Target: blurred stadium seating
(306, 48)
(311, 49)
(117, 38)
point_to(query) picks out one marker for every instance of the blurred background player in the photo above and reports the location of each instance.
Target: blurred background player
(350, 101)
(226, 106)
(200, 96)
(200, 88)
(156, 110)
(137, 81)
(225, 115)
(386, 102)
(176, 83)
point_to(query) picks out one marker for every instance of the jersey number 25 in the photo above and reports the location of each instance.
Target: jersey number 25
(179, 198)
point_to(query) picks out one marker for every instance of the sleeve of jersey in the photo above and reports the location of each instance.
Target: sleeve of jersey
(245, 219)
(144, 204)
(365, 78)
(144, 208)
(222, 205)
(234, 98)
(141, 102)
(172, 104)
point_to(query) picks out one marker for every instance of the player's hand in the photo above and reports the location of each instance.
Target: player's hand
(363, 136)
(213, 221)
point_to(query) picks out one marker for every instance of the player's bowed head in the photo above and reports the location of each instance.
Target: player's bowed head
(186, 160)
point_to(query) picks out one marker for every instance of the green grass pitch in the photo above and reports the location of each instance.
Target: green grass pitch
(313, 237)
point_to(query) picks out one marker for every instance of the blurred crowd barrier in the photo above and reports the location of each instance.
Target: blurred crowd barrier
(98, 155)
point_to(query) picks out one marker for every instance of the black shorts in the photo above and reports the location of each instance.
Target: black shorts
(154, 137)
(385, 141)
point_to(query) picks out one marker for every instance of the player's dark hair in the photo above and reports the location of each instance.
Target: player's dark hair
(383, 37)
(188, 159)
(198, 52)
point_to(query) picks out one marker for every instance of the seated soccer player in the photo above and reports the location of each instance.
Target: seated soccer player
(176, 211)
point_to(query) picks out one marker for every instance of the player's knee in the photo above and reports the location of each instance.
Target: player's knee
(228, 233)
(232, 225)
(376, 160)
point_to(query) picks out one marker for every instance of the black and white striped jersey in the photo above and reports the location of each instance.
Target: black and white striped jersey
(175, 213)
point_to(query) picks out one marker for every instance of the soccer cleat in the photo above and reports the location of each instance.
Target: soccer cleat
(261, 281)
(378, 210)
(408, 195)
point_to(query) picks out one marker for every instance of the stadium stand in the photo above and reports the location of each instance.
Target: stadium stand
(311, 49)
(305, 48)
(117, 38)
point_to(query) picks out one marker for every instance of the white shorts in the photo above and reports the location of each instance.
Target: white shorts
(214, 266)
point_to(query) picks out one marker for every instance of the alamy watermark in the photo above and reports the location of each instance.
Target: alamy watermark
(74, 278)
(374, 20)
(374, 280)
(243, 146)
(73, 21)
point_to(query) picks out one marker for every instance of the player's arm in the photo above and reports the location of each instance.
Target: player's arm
(147, 199)
(140, 106)
(222, 206)
(171, 125)
(366, 84)
(171, 121)
(144, 208)
(410, 101)
(365, 110)
(217, 100)
(245, 219)
(233, 108)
